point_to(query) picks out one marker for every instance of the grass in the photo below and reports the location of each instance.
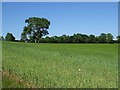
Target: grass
(62, 65)
(9, 83)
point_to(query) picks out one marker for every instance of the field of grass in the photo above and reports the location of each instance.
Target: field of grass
(61, 65)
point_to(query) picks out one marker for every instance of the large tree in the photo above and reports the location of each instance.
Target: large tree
(9, 37)
(35, 29)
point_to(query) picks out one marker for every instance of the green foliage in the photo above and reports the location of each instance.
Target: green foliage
(9, 37)
(92, 39)
(102, 38)
(63, 65)
(118, 39)
(78, 38)
(35, 29)
(1, 38)
(109, 38)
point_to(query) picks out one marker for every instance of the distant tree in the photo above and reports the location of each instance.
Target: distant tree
(85, 38)
(118, 39)
(102, 38)
(61, 38)
(77, 38)
(55, 39)
(1, 38)
(65, 38)
(35, 29)
(70, 39)
(109, 38)
(92, 38)
(47, 39)
(97, 39)
(9, 37)
(52, 39)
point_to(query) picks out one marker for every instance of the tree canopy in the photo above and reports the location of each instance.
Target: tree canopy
(9, 37)
(35, 29)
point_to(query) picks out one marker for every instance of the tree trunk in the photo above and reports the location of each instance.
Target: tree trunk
(35, 41)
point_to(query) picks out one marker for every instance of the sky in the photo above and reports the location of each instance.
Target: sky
(65, 17)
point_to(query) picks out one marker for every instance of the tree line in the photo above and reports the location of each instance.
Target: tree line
(75, 38)
(79, 38)
(37, 27)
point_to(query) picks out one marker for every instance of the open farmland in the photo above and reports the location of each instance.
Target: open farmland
(60, 65)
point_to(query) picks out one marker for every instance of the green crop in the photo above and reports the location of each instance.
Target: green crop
(62, 65)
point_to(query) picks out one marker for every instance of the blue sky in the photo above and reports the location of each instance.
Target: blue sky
(66, 18)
